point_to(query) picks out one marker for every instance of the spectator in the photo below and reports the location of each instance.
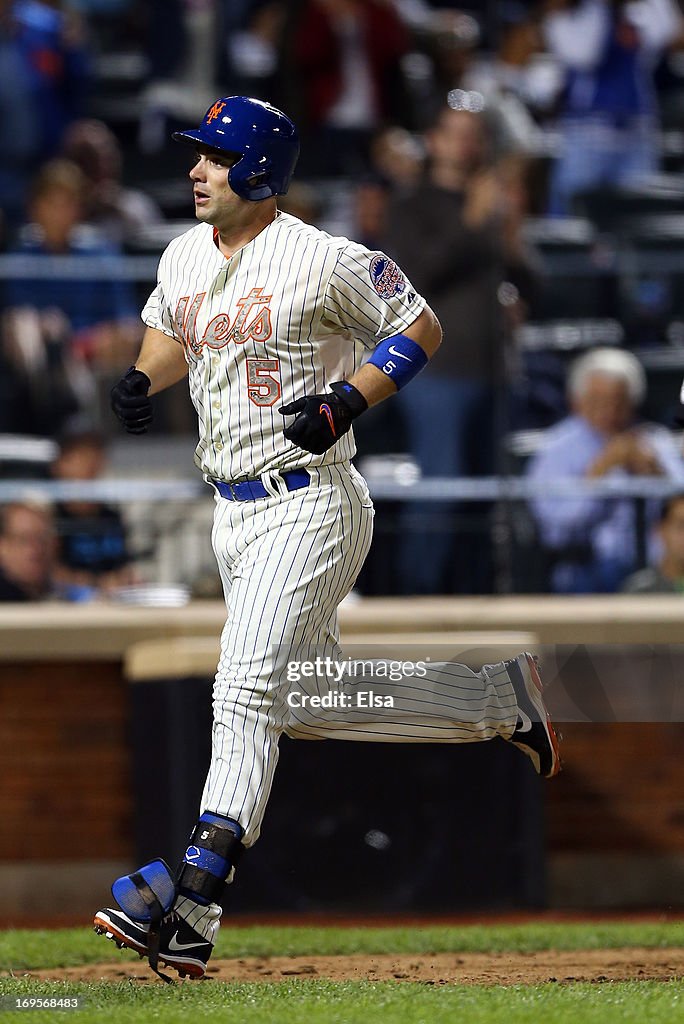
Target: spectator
(27, 552)
(40, 381)
(369, 210)
(253, 36)
(398, 157)
(52, 42)
(93, 551)
(667, 577)
(42, 88)
(457, 236)
(450, 39)
(514, 81)
(184, 42)
(500, 82)
(43, 78)
(343, 59)
(15, 417)
(302, 201)
(166, 38)
(609, 116)
(118, 212)
(592, 542)
(98, 314)
(19, 132)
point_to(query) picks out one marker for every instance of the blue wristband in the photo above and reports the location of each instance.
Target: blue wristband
(400, 358)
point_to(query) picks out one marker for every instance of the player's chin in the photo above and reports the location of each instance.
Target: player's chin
(202, 211)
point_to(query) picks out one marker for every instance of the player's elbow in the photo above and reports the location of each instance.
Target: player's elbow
(426, 331)
(434, 334)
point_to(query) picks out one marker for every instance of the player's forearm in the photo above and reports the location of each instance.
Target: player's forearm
(373, 384)
(162, 359)
(376, 386)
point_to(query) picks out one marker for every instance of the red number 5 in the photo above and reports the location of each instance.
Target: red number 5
(263, 388)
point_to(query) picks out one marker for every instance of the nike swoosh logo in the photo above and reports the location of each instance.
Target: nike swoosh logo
(178, 947)
(525, 722)
(400, 355)
(327, 412)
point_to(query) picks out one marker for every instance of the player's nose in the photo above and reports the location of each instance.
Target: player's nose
(196, 173)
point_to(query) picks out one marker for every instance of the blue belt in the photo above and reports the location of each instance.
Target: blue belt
(250, 490)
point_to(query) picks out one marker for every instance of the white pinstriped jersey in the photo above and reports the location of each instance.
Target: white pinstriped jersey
(292, 311)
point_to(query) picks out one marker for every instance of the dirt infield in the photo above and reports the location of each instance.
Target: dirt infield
(437, 969)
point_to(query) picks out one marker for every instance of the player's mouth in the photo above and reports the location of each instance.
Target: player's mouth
(200, 198)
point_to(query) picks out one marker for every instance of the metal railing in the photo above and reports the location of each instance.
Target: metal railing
(430, 489)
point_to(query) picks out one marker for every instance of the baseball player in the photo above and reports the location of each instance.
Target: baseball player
(286, 336)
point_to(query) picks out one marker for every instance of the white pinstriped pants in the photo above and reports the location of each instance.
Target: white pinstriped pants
(286, 563)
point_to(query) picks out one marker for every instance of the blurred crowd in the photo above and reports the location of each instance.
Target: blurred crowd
(70, 550)
(444, 136)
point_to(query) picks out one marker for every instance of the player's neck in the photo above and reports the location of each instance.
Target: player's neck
(231, 238)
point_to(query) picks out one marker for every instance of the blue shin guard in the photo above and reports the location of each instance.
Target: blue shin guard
(140, 893)
(214, 850)
(146, 896)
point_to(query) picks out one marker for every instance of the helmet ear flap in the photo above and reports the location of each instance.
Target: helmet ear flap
(258, 178)
(253, 184)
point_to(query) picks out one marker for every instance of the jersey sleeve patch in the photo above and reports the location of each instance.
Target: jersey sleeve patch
(386, 277)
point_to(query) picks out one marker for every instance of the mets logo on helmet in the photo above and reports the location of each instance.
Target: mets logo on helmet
(215, 111)
(386, 276)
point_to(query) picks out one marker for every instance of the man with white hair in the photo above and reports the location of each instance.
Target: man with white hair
(593, 541)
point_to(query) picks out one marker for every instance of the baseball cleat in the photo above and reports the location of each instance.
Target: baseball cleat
(181, 946)
(534, 734)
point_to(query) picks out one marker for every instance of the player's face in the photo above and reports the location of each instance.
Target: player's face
(215, 201)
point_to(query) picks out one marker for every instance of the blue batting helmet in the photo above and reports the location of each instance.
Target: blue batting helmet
(261, 135)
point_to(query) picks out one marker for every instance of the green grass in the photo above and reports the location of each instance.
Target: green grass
(321, 1002)
(325, 1002)
(24, 950)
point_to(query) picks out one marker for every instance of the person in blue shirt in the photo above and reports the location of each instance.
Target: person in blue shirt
(592, 541)
(93, 550)
(19, 130)
(44, 77)
(98, 313)
(608, 125)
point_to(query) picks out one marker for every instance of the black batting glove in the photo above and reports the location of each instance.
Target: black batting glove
(321, 420)
(130, 402)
